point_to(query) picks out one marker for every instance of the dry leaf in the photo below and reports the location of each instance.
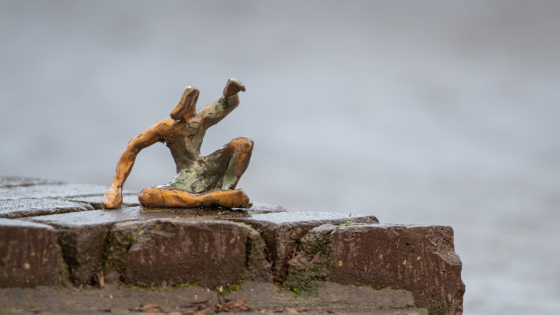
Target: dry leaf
(148, 308)
(299, 261)
(206, 311)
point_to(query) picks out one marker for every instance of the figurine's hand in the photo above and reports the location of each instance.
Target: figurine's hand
(233, 86)
(113, 198)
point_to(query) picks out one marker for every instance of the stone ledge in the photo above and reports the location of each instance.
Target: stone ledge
(215, 253)
(302, 252)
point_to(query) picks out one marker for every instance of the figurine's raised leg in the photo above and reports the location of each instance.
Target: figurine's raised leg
(234, 158)
(160, 197)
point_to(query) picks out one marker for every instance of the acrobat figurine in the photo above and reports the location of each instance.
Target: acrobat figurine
(201, 181)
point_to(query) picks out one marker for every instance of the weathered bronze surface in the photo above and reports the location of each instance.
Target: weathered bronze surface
(201, 181)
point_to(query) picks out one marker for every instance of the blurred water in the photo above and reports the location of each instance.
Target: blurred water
(432, 112)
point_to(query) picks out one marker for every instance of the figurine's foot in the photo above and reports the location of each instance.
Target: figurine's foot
(160, 197)
(113, 198)
(233, 86)
(226, 199)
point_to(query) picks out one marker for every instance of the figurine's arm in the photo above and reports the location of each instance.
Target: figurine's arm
(215, 112)
(113, 196)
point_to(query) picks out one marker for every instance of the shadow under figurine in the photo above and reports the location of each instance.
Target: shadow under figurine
(201, 181)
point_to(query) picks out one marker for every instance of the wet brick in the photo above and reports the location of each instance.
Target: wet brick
(28, 254)
(83, 238)
(282, 231)
(416, 258)
(170, 252)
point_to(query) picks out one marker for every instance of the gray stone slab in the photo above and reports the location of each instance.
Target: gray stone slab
(54, 191)
(313, 217)
(262, 208)
(93, 217)
(12, 181)
(97, 201)
(96, 217)
(18, 208)
(28, 254)
(282, 231)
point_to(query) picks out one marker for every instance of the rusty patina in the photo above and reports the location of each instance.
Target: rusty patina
(201, 181)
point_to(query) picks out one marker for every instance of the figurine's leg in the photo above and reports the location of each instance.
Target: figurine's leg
(159, 197)
(233, 159)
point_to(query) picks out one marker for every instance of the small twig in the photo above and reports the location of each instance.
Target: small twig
(314, 259)
(100, 279)
(163, 295)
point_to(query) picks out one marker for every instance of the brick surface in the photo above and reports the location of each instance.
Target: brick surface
(170, 252)
(83, 238)
(282, 231)
(417, 258)
(28, 254)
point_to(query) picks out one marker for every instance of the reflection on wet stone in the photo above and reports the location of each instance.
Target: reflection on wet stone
(35, 207)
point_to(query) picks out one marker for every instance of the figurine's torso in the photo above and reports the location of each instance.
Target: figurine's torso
(184, 140)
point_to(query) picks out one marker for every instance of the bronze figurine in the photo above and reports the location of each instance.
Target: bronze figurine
(201, 181)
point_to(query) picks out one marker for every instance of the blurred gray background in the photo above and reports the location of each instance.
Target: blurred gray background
(416, 112)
